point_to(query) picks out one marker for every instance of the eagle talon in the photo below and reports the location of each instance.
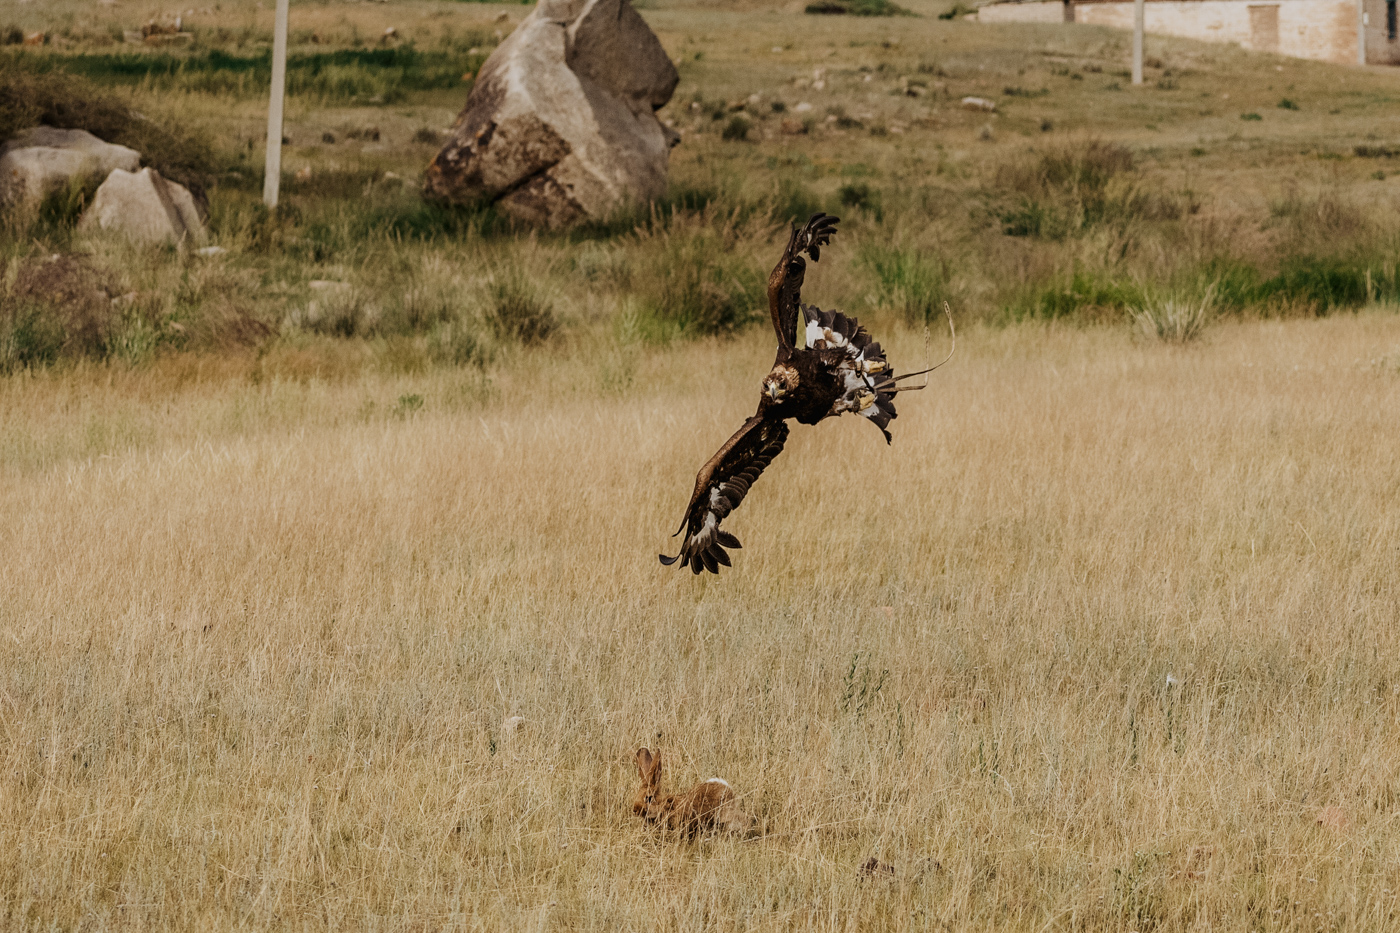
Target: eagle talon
(866, 400)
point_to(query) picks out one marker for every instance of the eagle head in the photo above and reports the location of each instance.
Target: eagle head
(779, 382)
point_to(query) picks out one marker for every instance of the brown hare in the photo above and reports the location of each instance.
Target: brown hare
(708, 806)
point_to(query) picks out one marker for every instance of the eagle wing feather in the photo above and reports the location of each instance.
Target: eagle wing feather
(720, 487)
(785, 282)
(858, 363)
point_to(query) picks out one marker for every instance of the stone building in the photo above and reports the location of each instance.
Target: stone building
(1321, 29)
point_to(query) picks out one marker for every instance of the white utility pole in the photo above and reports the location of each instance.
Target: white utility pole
(1361, 32)
(1139, 15)
(272, 169)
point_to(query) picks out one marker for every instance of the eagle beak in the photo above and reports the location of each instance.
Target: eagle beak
(773, 391)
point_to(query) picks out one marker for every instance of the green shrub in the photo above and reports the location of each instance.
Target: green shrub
(517, 312)
(737, 128)
(907, 281)
(64, 205)
(30, 336)
(857, 8)
(861, 196)
(1072, 189)
(690, 277)
(52, 307)
(1084, 295)
(794, 202)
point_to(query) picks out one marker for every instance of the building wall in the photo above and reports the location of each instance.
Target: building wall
(1320, 29)
(1046, 11)
(1380, 48)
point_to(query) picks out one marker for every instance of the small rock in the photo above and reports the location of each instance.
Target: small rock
(209, 252)
(391, 33)
(304, 173)
(36, 38)
(803, 107)
(979, 103)
(145, 207)
(793, 127)
(512, 724)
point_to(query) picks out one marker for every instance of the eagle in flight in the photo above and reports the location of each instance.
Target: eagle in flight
(828, 367)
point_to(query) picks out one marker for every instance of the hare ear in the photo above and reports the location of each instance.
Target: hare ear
(656, 767)
(643, 763)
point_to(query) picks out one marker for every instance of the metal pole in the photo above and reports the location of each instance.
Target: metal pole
(272, 169)
(1139, 14)
(1361, 32)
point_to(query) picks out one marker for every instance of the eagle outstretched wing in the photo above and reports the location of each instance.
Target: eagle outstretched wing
(785, 281)
(720, 486)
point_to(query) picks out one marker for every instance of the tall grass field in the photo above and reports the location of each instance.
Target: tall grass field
(328, 583)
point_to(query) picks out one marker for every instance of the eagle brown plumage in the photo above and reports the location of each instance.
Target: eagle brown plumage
(838, 369)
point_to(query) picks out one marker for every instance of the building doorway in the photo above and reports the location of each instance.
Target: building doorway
(1263, 28)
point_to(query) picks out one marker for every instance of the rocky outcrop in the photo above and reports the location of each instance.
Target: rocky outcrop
(561, 124)
(144, 207)
(41, 160)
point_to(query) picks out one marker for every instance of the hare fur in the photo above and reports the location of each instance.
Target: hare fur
(708, 806)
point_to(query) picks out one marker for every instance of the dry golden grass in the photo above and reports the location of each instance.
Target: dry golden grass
(1092, 646)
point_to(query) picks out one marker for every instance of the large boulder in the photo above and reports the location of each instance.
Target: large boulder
(145, 207)
(41, 160)
(561, 124)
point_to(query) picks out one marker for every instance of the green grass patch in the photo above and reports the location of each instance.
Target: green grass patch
(857, 8)
(342, 75)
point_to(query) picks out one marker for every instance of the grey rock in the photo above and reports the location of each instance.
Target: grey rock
(43, 159)
(145, 207)
(560, 125)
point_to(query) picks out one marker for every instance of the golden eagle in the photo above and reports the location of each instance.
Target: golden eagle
(837, 369)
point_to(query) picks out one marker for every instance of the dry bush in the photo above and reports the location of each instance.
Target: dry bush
(1175, 318)
(30, 97)
(54, 306)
